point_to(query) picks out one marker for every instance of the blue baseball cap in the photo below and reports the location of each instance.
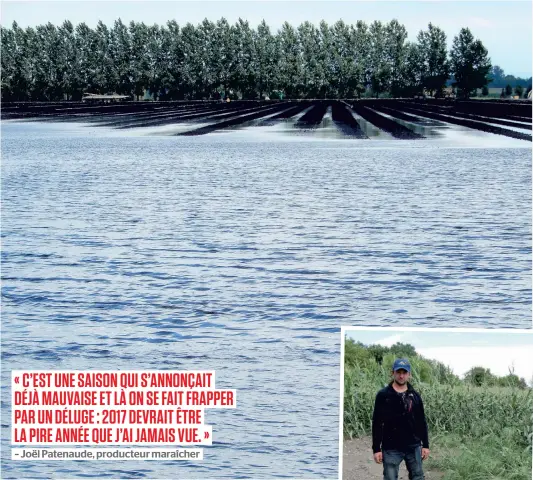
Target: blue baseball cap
(401, 363)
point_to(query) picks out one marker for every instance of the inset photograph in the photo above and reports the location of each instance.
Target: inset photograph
(436, 403)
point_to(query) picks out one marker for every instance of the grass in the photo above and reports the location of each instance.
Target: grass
(476, 432)
(491, 457)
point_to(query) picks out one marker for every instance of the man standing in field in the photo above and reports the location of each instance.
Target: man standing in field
(399, 428)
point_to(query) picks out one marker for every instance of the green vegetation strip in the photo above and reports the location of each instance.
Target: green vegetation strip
(214, 60)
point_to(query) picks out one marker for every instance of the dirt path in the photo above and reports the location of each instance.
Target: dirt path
(358, 463)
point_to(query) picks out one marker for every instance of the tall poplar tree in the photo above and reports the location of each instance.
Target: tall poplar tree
(435, 66)
(8, 62)
(412, 71)
(290, 61)
(267, 59)
(470, 63)
(395, 52)
(312, 68)
(380, 67)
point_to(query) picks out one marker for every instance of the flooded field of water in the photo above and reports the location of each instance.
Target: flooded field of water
(244, 251)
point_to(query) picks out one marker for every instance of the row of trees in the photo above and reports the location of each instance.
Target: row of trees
(508, 91)
(213, 58)
(368, 356)
(480, 376)
(500, 80)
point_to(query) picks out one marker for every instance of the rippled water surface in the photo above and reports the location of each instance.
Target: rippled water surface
(244, 252)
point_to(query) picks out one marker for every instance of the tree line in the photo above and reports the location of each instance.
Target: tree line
(368, 357)
(500, 80)
(508, 91)
(216, 59)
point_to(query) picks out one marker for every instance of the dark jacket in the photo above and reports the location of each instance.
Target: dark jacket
(398, 423)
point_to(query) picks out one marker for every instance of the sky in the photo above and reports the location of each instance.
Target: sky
(497, 350)
(504, 27)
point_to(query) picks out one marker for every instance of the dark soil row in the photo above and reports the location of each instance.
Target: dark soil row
(313, 117)
(39, 108)
(468, 116)
(384, 123)
(115, 119)
(497, 108)
(487, 108)
(36, 110)
(291, 112)
(210, 114)
(123, 118)
(264, 111)
(401, 115)
(285, 114)
(345, 121)
(224, 115)
(468, 123)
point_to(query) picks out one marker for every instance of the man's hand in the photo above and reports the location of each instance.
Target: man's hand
(378, 457)
(425, 453)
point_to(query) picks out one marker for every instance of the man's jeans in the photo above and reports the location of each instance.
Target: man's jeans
(413, 461)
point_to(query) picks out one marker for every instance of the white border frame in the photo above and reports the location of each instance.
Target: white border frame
(344, 329)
